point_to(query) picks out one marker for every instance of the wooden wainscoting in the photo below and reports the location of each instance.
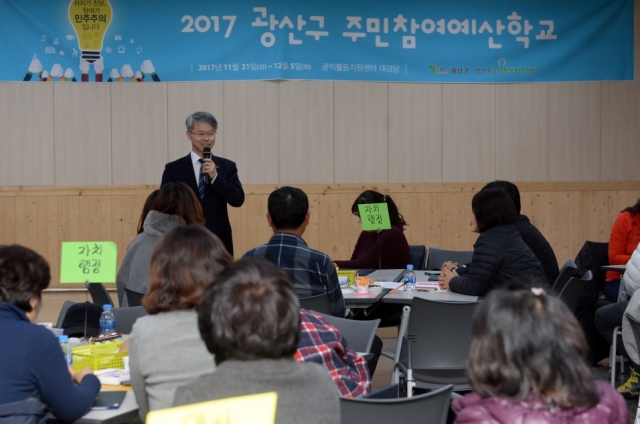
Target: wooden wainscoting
(438, 215)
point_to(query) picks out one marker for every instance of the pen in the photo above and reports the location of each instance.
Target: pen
(396, 289)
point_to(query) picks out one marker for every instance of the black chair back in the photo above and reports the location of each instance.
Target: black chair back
(133, 298)
(359, 334)
(427, 408)
(567, 271)
(317, 303)
(126, 317)
(418, 256)
(99, 294)
(436, 257)
(573, 289)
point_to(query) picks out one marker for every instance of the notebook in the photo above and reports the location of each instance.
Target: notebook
(111, 399)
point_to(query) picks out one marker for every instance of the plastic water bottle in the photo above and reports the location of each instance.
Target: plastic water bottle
(409, 279)
(66, 349)
(107, 321)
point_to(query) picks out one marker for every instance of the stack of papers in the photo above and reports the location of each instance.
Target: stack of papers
(112, 376)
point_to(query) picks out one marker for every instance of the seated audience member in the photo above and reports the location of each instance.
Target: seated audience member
(176, 205)
(530, 234)
(148, 206)
(322, 343)
(312, 271)
(499, 254)
(249, 319)
(527, 365)
(610, 316)
(387, 249)
(32, 365)
(625, 236)
(166, 350)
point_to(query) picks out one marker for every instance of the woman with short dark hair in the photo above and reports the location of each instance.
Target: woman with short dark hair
(166, 350)
(526, 364)
(499, 254)
(385, 249)
(32, 365)
(250, 320)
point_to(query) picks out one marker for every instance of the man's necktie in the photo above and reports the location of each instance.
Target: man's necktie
(201, 180)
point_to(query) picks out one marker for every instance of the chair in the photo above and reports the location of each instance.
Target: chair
(359, 334)
(427, 408)
(567, 271)
(437, 344)
(63, 312)
(570, 293)
(126, 317)
(317, 303)
(436, 257)
(418, 254)
(133, 298)
(99, 294)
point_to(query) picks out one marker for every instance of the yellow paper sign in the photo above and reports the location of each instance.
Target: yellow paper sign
(254, 409)
(93, 261)
(374, 216)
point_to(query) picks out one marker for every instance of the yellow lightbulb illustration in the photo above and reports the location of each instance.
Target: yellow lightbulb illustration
(90, 19)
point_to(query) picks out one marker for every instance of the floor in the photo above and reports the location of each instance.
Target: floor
(382, 377)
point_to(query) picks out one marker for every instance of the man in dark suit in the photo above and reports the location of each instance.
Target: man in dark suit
(223, 186)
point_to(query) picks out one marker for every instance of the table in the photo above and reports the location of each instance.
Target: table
(617, 268)
(127, 413)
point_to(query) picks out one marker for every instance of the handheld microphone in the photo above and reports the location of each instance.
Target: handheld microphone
(206, 154)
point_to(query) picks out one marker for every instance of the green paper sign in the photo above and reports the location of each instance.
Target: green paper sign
(92, 261)
(375, 216)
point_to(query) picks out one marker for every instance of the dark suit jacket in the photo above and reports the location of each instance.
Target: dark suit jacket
(226, 188)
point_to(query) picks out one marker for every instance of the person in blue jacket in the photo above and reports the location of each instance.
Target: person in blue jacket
(32, 365)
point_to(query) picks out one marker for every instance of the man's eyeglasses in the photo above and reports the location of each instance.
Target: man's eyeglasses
(203, 134)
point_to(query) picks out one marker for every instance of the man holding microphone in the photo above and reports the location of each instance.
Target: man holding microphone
(213, 179)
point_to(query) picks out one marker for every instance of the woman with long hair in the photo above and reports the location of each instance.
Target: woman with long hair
(175, 204)
(384, 249)
(166, 350)
(527, 365)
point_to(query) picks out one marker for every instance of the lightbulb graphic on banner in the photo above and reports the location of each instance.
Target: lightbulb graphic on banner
(90, 19)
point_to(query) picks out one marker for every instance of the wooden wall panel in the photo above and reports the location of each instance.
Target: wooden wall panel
(438, 215)
(468, 148)
(306, 132)
(184, 99)
(415, 133)
(139, 132)
(522, 132)
(27, 121)
(82, 134)
(361, 132)
(574, 132)
(620, 146)
(251, 130)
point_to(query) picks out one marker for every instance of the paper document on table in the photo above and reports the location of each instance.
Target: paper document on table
(389, 284)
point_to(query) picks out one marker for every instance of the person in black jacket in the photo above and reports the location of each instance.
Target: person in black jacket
(499, 254)
(529, 233)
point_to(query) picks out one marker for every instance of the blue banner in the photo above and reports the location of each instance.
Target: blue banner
(458, 41)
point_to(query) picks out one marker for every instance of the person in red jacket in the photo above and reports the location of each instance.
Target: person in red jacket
(625, 236)
(527, 364)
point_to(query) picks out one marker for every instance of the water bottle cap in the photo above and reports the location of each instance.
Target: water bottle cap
(410, 267)
(107, 307)
(63, 338)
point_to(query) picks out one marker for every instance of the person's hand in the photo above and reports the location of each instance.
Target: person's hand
(56, 71)
(84, 66)
(445, 277)
(114, 74)
(450, 264)
(78, 376)
(147, 67)
(35, 67)
(98, 66)
(208, 167)
(68, 73)
(126, 71)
